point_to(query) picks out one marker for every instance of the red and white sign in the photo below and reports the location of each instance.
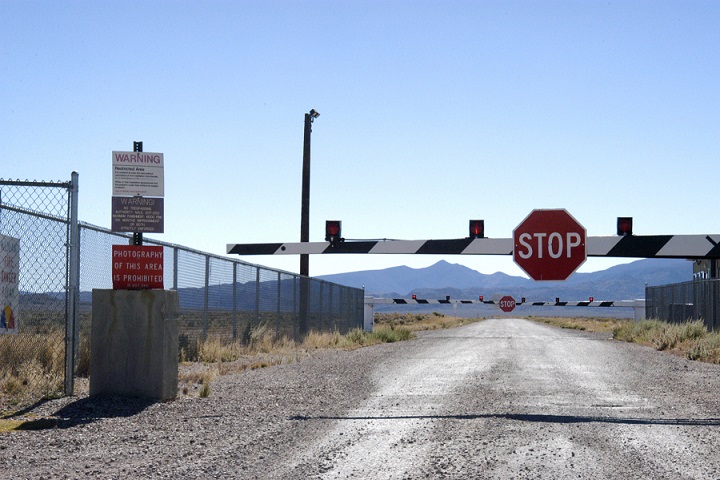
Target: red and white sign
(507, 304)
(549, 244)
(137, 267)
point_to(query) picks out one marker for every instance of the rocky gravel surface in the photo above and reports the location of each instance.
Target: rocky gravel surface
(497, 399)
(245, 427)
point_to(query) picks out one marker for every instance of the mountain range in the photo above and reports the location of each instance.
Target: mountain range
(621, 282)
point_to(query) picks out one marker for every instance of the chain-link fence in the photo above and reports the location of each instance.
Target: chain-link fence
(36, 228)
(51, 263)
(223, 298)
(680, 302)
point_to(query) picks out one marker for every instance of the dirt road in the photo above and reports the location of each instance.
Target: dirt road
(498, 399)
(513, 399)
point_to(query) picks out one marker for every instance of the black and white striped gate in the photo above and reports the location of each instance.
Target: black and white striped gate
(638, 306)
(628, 246)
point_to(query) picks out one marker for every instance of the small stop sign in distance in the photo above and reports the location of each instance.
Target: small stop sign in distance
(507, 304)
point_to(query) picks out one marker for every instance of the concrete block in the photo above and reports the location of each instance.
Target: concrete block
(134, 343)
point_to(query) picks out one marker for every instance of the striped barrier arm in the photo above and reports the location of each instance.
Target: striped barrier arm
(427, 301)
(631, 246)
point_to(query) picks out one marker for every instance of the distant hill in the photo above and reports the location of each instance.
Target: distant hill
(620, 282)
(402, 280)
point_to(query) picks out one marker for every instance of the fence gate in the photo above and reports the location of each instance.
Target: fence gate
(39, 257)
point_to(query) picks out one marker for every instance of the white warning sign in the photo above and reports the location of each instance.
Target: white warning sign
(138, 173)
(9, 283)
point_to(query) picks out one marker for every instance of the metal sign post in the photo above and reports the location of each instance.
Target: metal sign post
(137, 238)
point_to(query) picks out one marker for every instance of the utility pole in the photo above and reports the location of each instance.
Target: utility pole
(305, 224)
(305, 211)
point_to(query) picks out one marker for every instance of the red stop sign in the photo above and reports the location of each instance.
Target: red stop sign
(507, 303)
(549, 244)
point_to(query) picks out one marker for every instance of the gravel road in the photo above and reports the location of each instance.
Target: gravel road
(501, 399)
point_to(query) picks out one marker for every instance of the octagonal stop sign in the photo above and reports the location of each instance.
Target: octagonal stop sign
(507, 304)
(549, 244)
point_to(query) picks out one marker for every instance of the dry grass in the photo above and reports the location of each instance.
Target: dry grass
(417, 321)
(10, 424)
(31, 365)
(197, 381)
(217, 356)
(689, 339)
(592, 324)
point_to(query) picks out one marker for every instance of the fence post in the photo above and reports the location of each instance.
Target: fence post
(714, 297)
(257, 296)
(73, 288)
(277, 317)
(206, 311)
(321, 308)
(342, 307)
(304, 308)
(175, 268)
(331, 308)
(295, 308)
(234, 311)
(360, 304)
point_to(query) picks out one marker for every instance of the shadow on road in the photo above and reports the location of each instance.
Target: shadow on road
(538, 418)
(87, 410)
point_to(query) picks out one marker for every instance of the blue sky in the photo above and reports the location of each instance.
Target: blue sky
(432, 113)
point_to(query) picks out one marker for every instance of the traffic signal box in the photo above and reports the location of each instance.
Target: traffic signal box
(333, 232)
